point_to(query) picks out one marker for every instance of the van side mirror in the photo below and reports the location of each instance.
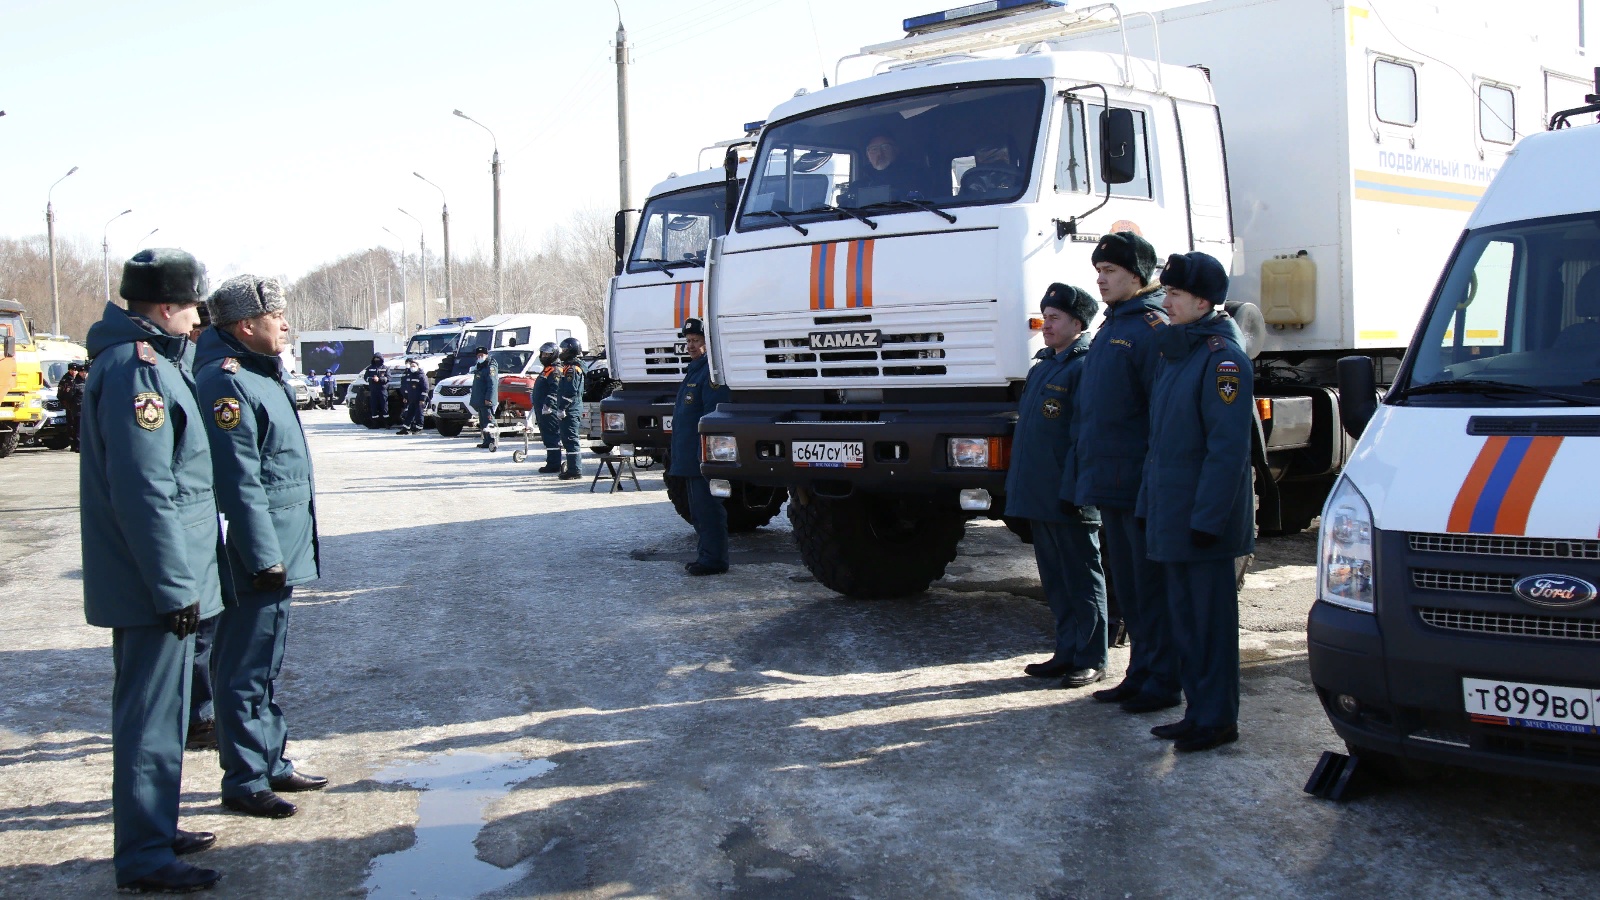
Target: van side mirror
(1119, 146)
(1358, 394)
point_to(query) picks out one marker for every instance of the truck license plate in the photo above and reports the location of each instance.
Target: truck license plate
(827, 454)
(666, 424)
(451, 407)
(1542, 706)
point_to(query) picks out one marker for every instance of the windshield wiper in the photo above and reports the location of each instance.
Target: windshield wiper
(682, 263)
(659, 264)
(786, 220)
(914, 202)
(1485, 386)
(845, 211)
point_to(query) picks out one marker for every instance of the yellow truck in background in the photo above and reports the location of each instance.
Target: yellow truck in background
(20, 377)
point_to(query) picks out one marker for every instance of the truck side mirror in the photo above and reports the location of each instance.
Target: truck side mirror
(11, 346)
(1119, 146)
(1358, 394)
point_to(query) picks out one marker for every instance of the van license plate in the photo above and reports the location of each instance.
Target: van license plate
(1542, 706)
(666, 424)
(827, 454)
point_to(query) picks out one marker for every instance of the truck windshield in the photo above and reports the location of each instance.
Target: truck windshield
(676, 228)
(432, 344)
(960, 145)
(1517, 320)
(12, 324)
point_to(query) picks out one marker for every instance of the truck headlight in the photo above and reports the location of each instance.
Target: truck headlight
(979, 452)
(35, 403)
(613, 421)
(719, 448)
(1345, 571)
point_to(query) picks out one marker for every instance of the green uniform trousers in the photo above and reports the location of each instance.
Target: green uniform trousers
(149, 718)
(251, 732)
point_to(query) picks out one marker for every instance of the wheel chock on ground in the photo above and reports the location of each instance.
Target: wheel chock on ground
(1332, 777)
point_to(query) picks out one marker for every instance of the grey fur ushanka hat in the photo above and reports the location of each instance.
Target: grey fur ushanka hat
(245, 297)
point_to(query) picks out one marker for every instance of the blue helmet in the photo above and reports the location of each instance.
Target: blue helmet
(570, 348)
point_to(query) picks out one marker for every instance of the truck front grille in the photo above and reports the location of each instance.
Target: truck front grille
(913, 353)
(455, 390)
(664, 361)
(1492, 545)
(1462, 582)
(1514, 624)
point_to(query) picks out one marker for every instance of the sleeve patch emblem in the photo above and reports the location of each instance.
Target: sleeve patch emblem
(1227, 367)
(1052, 408)
(149, 410)
(1228, 388)
(226, 412)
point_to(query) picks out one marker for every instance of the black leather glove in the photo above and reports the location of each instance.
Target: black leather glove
(185, 621)
(1068, 508)
(1202, 539)
(269, 579)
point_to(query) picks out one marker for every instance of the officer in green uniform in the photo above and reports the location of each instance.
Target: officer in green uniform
(148, 521)
(1196, 497)
(569, 406)
(264, 488)
(697, 396)
(1066, 536)
(485, 396)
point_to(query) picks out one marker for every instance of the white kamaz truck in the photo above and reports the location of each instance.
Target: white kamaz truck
(872, 315)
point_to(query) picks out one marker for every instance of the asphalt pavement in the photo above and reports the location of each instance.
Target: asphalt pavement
(517, 692)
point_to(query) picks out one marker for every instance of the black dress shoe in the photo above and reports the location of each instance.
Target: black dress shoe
(202, 736)
(264, 804)
(1173, 730)
(1143, 703)
(176, 877)
(695, 568)
(1127, 690)
(296, 782)
(192, 842)
(1206, 737)
(1082, 677)
(1054, 667)
(1116, 633)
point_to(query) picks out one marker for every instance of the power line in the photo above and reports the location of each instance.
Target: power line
(690, 26)
(721, 24)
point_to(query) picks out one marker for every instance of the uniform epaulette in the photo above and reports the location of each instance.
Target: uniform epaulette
(1153, 319)
(147, 353)
(230, 365)
(1215, 343)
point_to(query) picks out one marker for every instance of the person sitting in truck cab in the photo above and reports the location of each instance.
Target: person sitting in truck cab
(888, 175)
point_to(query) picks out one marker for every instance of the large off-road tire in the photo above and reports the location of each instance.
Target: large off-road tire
(358, 409)
(8, 442)
(57, 442)
(451, 427)
(875, 546)
(743, 517)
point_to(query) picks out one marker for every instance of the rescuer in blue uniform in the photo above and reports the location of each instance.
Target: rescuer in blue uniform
(485, 394)
(1112, 436)
(148, 523)
(414, 390)
(569, 407)
(327, 389)
(1066, 541)
(697, 396)
(544, 406)
(377, 378)
(1196, 497)
(264, 489)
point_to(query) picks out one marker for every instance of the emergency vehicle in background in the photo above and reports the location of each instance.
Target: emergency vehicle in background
(21, 407)
(448, 403)
(435, 348)
(1456, 617)
(874, 326)
(56, 352)
(660, 283)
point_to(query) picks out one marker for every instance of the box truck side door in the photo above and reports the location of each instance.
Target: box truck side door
(1205, 178)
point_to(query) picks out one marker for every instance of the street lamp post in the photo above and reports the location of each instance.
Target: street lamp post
(444, 216)
(105, 251)
(403, 292)
(494, 169)
(50, 231)
(624, 169)
(145, 238)
(422, 253)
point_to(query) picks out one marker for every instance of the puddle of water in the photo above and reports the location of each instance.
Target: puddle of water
(456, 790)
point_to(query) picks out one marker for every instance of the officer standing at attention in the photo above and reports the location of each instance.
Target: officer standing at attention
(697, 396)
(414, 388)
(377, 378)
(1196, 495)
(1066, 540)
(1112, 422)
(202, 708)
(69, 393)
(148, 524)
(264, 488)
(485, 394)
(544, 406)
(569, 407)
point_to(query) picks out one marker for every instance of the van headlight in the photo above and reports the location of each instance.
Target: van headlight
(719, 448)
(1345, 570)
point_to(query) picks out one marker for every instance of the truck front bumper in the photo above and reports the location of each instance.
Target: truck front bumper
(905, 448)
(643, 410)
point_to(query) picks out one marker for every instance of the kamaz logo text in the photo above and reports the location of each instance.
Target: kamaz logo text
(846, 340)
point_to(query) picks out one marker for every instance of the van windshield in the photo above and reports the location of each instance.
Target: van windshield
(1520, 307)
(676, 228)
(432, 344)
(954, 146)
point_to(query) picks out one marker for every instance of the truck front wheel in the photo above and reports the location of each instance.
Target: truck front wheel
(875, 546)
(8, 442)
(451, 427)
(749, 508)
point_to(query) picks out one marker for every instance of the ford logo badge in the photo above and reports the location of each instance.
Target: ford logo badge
(1555, 591)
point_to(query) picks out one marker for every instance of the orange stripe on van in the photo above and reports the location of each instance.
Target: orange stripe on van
(1471, 489)
(1513, 515)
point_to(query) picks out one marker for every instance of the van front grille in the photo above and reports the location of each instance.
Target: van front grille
(1462, 582)
(1493, 545)
(1513, 624)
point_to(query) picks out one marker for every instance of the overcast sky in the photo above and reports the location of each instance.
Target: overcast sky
(271, 137)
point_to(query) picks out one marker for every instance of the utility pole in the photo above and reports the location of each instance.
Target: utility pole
(422, 255)
(494, 170)
(444, 216)
(624, 187)
(105, 251)
(404, 294)
(50, 230)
